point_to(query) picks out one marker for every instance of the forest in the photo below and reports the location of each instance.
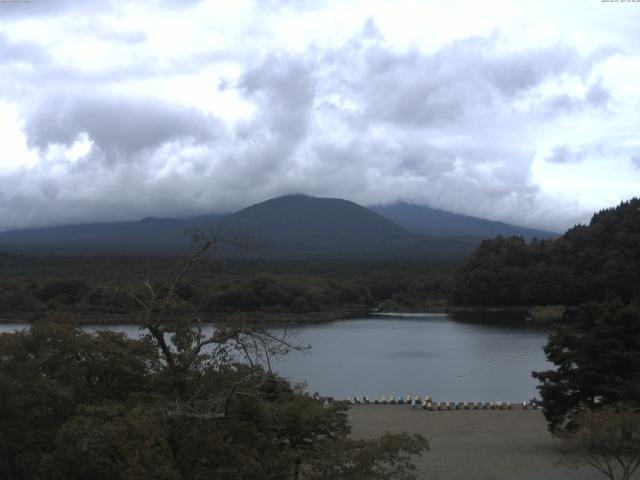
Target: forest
(33, 287)
(591, 262)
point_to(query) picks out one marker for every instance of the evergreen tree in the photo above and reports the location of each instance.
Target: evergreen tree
(588, 263)
(598, 364)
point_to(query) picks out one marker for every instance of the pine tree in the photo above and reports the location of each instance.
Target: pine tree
(598, 364)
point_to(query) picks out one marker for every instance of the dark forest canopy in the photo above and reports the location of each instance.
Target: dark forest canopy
(32, 287)
(589, 262)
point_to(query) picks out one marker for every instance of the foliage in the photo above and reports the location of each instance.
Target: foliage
(587, 263)
(34, 287)
(609, 441)
(46, 373)
(367, 459)
(176, 404)
(598, 364)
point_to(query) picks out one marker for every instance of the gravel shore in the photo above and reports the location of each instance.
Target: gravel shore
(474, 444)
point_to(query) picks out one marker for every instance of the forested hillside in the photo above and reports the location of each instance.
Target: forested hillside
(589, 262)
(33, 287)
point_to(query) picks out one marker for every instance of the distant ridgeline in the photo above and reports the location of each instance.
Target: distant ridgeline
(587, 263)
(293, 226)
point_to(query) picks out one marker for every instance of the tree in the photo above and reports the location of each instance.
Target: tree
(609, 441)
(598, 364)
(47, 373)
(379, 459)
(178, 404)
(587, 263)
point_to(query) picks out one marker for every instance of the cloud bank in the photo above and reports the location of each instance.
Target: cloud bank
(182, 108)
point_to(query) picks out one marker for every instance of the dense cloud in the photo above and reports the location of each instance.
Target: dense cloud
(159, 130)
(121, 127)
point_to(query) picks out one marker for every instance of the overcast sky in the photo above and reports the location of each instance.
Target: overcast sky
(522, 111)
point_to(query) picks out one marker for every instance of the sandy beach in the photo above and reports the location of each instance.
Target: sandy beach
(474, 444)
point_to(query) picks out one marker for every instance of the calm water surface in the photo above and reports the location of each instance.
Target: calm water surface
(410, 355)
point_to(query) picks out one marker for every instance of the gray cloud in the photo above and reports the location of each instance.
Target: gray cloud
(596, 97)
(635, 161)
(31, 8)
(566, 154)
(362, 120)
(19, 52)
(520, 71)
(120, 126)
(284, 89)
(414, 88)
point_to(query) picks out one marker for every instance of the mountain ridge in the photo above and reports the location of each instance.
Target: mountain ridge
(288, 226)
(432, 221)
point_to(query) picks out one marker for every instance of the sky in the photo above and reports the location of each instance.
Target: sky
(524, 112)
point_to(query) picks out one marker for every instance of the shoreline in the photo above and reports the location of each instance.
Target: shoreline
(528, 313)
(532, 315)
(258, 318)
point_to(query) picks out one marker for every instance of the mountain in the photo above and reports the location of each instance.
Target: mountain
(149, 235)
(293, 226)
(430, 221)
(288, 226)
(305, 226)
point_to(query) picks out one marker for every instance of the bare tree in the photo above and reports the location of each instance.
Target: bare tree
(609, 441)
(177, 330)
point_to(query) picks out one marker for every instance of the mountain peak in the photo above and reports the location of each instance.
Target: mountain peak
(295, 225)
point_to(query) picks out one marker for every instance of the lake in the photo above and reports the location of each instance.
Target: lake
(419, 354)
